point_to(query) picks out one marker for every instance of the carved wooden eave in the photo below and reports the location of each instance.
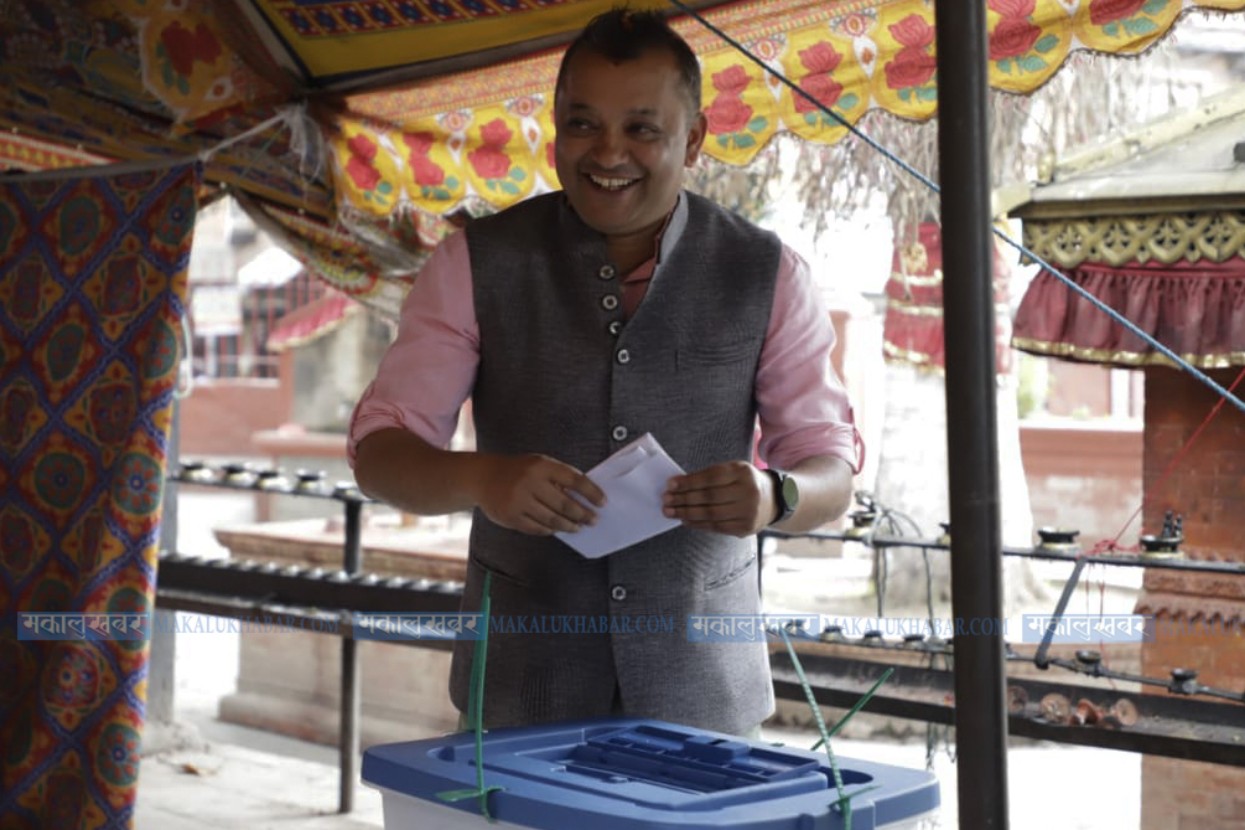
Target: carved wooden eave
(1173, 191)
(1165, 237)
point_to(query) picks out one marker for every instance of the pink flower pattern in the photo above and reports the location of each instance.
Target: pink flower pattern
(490, 160)
(820, 60)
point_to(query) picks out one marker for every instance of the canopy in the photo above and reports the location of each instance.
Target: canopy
(428, 105)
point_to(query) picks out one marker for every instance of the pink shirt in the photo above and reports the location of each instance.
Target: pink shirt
(428, 372)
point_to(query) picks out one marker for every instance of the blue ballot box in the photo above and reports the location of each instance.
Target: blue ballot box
(630, 774)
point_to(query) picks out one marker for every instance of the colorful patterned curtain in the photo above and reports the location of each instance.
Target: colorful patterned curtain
(135, 80)
(487, 134)
(92, 293)
(374, 269)
(101, 80)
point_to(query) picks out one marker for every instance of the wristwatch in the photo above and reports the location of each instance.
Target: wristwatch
(786, 494)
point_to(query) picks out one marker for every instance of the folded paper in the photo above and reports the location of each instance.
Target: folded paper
(634, 479)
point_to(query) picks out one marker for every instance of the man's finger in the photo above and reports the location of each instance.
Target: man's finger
(549, 521)
(711, 514)
(701, 497)
(560, 503)
(719, 475)
(587, 488)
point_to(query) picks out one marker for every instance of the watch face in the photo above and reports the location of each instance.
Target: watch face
(790, 492)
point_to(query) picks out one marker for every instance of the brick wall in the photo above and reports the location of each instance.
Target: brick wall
(220, 415)
(1083, 475)
(1199, 617)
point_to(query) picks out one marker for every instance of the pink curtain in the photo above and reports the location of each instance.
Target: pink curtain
(1195, 309)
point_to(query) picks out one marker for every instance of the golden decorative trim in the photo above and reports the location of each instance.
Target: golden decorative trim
(1003, 310)
(914, 309)
(918, 280)
(1122, 358)
(1117, 240)
(921, 360)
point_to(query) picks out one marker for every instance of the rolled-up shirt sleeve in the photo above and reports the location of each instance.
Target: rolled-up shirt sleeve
(802, 404)
(429, 370)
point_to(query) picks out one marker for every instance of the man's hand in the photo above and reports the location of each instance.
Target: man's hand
(532, 494)
(733, 498)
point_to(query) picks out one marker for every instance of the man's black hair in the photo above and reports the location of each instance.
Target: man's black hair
(622, 34)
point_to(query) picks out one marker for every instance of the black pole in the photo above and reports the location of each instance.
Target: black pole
(351, 702)
(972, 428)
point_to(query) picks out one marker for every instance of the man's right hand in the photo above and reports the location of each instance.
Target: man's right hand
(532, 494)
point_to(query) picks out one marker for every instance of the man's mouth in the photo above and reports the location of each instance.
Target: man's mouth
(611, 182)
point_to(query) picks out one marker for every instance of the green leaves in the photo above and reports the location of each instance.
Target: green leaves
(1140, 26)
(1048, 42)
(1032, 63)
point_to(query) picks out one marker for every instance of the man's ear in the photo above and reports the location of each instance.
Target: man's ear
(695, 138)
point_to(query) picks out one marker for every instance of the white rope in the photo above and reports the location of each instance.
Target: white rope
(185, 367)
(304, 140)
(282, 117)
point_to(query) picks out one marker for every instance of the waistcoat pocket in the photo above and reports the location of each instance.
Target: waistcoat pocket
(716, 354)
(737, 569)
(478, 560)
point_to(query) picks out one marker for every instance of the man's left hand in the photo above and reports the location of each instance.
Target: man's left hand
(733, 498)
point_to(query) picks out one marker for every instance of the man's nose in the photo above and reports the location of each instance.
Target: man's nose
(610, 148)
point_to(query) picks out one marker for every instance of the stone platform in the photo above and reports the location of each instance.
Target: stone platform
(289, 681)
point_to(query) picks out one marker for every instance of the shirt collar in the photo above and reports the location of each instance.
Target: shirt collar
(673, 230)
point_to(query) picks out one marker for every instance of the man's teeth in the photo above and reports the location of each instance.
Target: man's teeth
(610, 184)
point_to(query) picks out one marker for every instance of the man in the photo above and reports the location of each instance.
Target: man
(576, 322)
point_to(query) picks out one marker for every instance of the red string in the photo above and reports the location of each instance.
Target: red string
(1105, 546)
(1113, 544)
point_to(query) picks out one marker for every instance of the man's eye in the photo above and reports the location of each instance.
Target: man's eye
(644, 130)
(578, 125)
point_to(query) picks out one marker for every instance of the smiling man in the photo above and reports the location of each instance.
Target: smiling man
(576, 322)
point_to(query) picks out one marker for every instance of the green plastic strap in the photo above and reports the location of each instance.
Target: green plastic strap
(859, 704)
(475, 709)
(844, 801)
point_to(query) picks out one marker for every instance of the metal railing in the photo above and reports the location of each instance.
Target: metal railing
(1209, 729)
(1194, 721)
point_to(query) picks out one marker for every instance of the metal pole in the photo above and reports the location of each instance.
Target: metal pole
(351, 704)
(968, 315)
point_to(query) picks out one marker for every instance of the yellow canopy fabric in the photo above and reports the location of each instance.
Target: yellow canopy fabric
(90, 82)
(487, 134)
(329, 40)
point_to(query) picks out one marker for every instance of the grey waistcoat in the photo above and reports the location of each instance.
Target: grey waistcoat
(555, 379)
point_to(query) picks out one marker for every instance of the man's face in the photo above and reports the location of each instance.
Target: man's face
(624, 134)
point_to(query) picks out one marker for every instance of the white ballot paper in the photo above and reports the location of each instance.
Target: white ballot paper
(634, 479)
